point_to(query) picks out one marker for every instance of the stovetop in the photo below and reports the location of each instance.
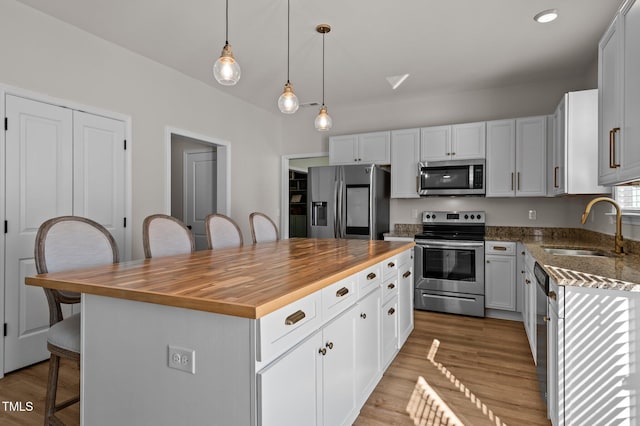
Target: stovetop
(453, 225)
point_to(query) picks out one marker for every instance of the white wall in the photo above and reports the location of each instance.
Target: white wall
(47, 56)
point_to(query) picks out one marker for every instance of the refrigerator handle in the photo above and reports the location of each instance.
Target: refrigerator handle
(336, 182)
(340, 212)
(372, 189)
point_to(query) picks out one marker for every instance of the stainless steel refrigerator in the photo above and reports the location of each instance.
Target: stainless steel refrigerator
(348, 202)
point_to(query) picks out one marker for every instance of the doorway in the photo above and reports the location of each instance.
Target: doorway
(198, 179)
(294, 167)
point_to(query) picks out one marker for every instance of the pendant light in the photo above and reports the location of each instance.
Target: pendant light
(226, 69)
(288, 101)
(323, 122)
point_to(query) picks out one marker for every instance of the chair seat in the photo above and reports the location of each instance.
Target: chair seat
(66, 334)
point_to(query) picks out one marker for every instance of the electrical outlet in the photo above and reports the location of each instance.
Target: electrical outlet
(414, 213)
(182, 359)
(532, 215)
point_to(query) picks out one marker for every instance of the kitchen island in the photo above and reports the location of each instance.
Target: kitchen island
(296, 331)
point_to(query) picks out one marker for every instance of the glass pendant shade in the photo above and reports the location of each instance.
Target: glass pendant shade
(288, 101)
(226, 69)
(323, 120)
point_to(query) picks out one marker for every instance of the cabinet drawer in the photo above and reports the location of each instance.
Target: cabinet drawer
(500, 247)
(390, 267)
(338, 297)
(369, 280)
(282, 329)
(390, 288)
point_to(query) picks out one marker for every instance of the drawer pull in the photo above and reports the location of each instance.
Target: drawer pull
(329, 345)
(500, 248)
(391, 311)
(391, 286)
(546, 318)
(294, 317)
(553, 295)
(391, 264)
(363, 315)
(371, 276)
(406, 274)
(322, 351)
(342, 292)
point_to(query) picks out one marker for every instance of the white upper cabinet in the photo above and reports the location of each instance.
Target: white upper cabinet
(517, 157)
(619, 98)
(574, 145)
(405, 154)
(364, 148)
(456, 142)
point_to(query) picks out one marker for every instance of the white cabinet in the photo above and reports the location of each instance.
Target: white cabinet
(500, 275)
(552, 353)
(456, 142)
(405, 298)
(517, 157)
(405, 154)
(389, 330)
(529, 302)
(315, 378)
(574, 145)
(598, 341)
(368, 346)
(365, 148)
(619, 98)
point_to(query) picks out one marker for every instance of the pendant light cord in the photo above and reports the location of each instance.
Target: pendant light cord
(288, 35)
(323, 34)
(226, 34)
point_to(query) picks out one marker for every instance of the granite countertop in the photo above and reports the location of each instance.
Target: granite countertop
(619, 272)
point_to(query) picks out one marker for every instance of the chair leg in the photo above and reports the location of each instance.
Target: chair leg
(52, 387)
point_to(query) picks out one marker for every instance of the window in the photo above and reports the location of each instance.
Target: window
(628, 197)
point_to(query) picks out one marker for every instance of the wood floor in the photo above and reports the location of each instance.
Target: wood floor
(490, 377)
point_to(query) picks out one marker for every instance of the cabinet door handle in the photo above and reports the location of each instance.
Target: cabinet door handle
(555, 177)
(406, 274)
(371, 276)
(527, 281)
(612, 148)
(417, 184)
(553, 295)
(322, 351)
(342, 292)
(329, 345)
(363, 315)
(453, 153)
(391, 286)
(512, 188)
(390, 265)
(294, 317)
(546, 318)
(488, 261)
(518, 181)
(391, 311)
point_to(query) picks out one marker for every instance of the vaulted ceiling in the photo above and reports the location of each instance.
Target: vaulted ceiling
(445, 45)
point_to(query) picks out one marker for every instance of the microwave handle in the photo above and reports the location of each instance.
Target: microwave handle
(471, 169)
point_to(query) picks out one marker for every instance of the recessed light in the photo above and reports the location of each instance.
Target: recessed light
(546, 16)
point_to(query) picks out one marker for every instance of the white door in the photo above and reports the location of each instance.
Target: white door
(39, 186)
(468, 141)
(99, 172)
(531, 156)
(435, 143)
(200, 194)
(501, 158)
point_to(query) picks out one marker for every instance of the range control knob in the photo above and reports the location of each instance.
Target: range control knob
(428, 216)
(473, 217)
(434, 216)
(478, 216)
(466, 216)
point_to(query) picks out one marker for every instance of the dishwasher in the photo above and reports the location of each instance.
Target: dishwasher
(542, 317)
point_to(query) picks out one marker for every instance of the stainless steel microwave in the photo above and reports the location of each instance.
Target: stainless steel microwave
(461, 177)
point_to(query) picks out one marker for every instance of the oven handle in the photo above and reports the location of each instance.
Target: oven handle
(448, 243)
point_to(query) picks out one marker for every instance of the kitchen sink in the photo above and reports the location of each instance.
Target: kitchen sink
(558, 251)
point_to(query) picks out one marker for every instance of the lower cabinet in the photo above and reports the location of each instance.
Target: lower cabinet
(529, 303)
(500, 275)
(389, 331)
(368, 365)
(314, 383)
(405, 299)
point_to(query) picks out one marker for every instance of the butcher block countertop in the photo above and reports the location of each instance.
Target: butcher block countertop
(250, 281)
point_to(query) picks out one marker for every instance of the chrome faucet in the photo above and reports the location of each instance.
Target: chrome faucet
(619, 239)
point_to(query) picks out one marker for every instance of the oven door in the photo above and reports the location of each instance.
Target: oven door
(450, 266)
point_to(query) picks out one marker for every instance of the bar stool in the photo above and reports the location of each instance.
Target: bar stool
(164, 235)
(222, 232)
(65, 243)
(263, 229)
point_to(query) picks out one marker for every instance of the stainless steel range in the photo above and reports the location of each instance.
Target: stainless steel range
(449, 263)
